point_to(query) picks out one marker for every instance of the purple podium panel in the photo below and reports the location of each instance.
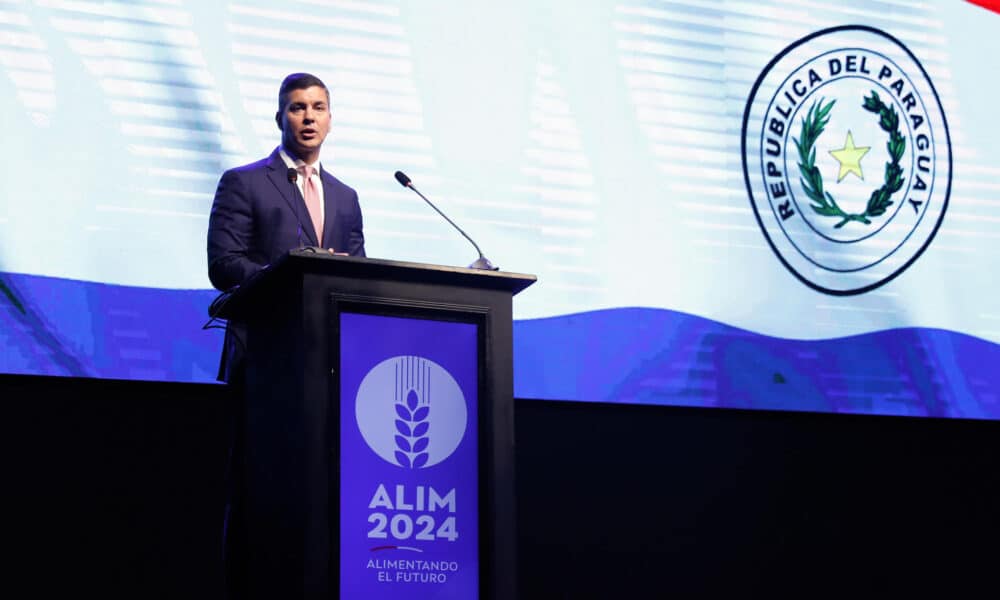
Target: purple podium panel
(409, 472)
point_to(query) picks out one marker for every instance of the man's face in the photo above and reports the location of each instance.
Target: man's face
(305, 122)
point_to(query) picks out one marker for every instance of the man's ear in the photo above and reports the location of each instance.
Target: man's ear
(277, 119)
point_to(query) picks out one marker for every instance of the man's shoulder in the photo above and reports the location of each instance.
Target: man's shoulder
(330, 179)
(259, 166)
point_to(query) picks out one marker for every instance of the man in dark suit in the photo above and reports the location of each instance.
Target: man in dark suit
(284, 201)
(261, 211)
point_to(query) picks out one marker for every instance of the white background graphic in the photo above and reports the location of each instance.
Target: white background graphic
(594, 144)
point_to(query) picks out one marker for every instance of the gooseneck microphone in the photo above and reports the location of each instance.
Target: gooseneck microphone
(480, 263)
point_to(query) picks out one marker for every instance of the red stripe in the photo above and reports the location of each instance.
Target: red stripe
(993, 5)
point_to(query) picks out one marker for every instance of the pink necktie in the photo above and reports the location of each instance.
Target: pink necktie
(311, 196)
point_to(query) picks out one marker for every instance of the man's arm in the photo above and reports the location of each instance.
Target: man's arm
(356, 237)
(230, 229)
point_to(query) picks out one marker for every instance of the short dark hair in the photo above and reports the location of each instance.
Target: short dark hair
(298, 81)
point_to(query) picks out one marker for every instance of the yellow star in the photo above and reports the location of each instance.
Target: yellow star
(849, 158)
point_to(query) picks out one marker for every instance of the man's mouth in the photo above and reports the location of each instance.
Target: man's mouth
(308, 133)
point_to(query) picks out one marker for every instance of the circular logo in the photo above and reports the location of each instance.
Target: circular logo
(847, 158)
(411, 412)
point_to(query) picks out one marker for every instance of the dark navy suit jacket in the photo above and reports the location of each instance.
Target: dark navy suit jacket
(258, 215)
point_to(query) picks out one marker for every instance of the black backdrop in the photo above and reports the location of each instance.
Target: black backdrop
(115, 489)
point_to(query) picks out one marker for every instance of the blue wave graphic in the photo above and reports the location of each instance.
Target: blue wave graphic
(51, 326)
(655, 356)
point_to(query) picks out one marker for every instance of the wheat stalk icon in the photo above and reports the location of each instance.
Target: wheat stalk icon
(412, 413)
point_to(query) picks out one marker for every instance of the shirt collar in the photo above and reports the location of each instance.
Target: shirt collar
(296, 163)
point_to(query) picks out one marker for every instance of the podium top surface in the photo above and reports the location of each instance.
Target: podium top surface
(319, 261)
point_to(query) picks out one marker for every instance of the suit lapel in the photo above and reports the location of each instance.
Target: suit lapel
(277, 172)
(329, 210)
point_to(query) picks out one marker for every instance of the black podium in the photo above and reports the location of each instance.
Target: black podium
(311, 318)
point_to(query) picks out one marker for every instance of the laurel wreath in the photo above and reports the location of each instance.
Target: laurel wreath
(812, 181)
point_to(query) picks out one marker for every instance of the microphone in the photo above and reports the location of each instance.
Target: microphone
(293, 176)
(480, 263)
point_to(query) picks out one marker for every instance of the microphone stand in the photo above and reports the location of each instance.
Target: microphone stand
(481, 263)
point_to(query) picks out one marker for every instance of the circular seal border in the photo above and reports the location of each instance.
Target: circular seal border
(746, 173)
